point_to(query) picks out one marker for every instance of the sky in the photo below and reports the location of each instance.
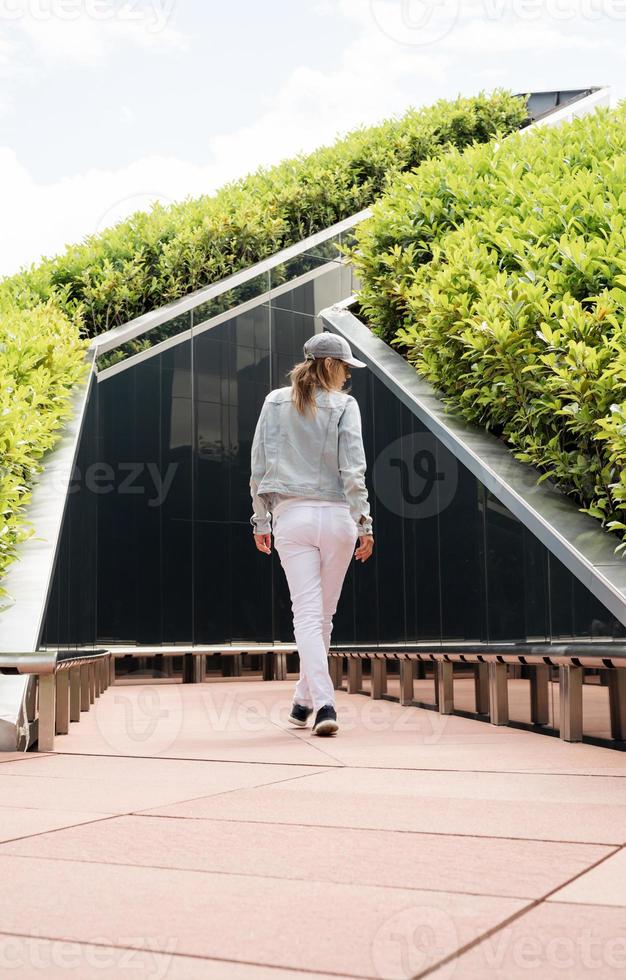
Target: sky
(108, 105)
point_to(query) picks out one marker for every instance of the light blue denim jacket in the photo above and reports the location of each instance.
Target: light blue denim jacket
(320, 456)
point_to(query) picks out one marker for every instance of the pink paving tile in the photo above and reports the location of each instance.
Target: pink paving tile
(16, 822)
(55, 959)
(120, 786)
(204, 721)
(343, 929)
(190, 772)
(422, 739)
(552, 942)
(526, 869)
(604, 885)
(247, 721)
(491, 805)
(383, 733)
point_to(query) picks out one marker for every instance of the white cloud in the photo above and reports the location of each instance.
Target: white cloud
(53, 215)
(311, 108)
(376, 76)
(85, 32)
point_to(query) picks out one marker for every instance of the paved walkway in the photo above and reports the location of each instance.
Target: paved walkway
(189, 832)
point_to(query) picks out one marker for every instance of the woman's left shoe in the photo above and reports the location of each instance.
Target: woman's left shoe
(326, 721)
(299, 715)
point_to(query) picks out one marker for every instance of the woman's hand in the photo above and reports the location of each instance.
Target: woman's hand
(365, 548)
(263, 543)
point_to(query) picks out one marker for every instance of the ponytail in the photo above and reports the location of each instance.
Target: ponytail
(309, 375)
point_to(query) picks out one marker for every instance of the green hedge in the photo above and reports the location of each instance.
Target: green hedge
(41, 359)
(156, 257)
(500, 273)
(153, 258)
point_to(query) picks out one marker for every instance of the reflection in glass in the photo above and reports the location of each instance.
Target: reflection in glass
(171, 328)
(231, 298)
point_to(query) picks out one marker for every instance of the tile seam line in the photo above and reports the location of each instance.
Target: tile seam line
(187, 956)
(269, 877)
(392, 830)
(301, 738)
(191, 799)
(606, 857)
(590, 905)
(56, 830)
(534, 904)
(178, 758)
(226, 792)
(144, 815)
(340, 765)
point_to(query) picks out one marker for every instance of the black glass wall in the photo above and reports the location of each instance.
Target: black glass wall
(451, 563)
(157, 545)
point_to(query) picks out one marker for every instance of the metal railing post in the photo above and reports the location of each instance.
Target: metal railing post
(85, 696)
(481, 688)
(336, 671)
(445, 686)
(378, 678)
(355, 675)
(498, 694)
(617, 702)
(47, 711)
(540, 694)
(62, 720)
(74, 673)
(406, 681)
(571, 703)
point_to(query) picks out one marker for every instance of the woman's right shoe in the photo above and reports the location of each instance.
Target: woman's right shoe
(326, 721)
(299, 715)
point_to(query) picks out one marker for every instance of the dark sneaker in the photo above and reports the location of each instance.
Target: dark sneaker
(299, 715)
(326, 721)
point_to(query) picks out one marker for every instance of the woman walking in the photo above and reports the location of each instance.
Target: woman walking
(308, 485)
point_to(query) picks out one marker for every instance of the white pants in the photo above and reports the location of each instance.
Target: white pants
(315, 540)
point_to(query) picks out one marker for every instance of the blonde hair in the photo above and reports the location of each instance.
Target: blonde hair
(307, 376)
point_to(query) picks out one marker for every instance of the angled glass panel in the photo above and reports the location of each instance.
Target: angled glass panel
(146, 341)
(231, 298)
(329, 250)
(295, 268)
(460, 540)
(505, 573)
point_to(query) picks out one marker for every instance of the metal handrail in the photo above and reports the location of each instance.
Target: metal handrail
(49, 661)
(601, 654)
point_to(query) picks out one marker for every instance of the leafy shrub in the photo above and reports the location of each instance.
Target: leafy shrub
(41, 358)
(156, 257)
(500, 273)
